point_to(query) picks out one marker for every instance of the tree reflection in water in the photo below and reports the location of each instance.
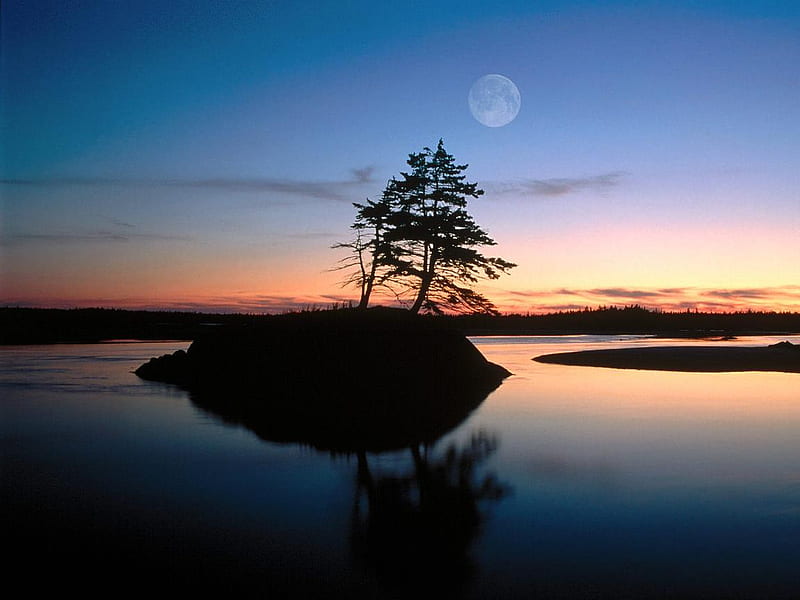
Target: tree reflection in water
(412, 529)
(415, 529)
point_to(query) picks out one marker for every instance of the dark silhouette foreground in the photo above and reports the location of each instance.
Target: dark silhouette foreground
(363, 382)
(90, 325)
(784, 357)
(344, 381)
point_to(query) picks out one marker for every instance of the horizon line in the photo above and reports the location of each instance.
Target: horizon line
(312, 307)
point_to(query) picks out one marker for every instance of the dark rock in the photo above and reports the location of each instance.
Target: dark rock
(170, 368)
(786, 345)
(344, 380)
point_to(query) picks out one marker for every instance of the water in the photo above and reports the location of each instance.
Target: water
(565, 482)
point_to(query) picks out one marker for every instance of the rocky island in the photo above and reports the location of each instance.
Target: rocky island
(342, 381)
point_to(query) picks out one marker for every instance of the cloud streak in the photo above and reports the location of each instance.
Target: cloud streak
(339, 191)
(555, 187)
(244, 303)
(334, 190)
(779, 298)
(92, 236)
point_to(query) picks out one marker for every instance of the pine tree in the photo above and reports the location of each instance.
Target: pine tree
(438, 238)
(423, 244)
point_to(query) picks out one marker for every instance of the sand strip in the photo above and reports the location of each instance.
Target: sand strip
(783, 357)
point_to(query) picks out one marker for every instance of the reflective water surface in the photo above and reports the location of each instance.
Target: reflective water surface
(564, 482)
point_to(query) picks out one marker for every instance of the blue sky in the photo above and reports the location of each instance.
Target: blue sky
(148, 147)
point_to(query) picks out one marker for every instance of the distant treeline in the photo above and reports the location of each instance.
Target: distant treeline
(42, 326)
(49, 325)
(636, 320)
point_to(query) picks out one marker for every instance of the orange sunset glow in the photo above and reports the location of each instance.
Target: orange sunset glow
(639, 166)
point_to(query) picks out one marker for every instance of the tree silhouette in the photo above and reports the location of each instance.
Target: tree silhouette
(420, 242)
(371, 253)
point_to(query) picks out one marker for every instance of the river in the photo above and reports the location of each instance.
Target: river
(566, 482)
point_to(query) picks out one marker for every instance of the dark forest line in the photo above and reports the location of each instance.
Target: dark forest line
(42, 326)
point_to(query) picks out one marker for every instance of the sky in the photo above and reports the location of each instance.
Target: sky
(204, 155)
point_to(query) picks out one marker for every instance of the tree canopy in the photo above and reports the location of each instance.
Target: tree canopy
(419, 241)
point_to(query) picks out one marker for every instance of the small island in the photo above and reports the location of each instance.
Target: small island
(348, 380)
(781, 357)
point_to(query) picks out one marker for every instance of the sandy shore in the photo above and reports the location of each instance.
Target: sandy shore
(783, 357)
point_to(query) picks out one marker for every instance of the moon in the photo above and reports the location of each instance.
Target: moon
(494, 100)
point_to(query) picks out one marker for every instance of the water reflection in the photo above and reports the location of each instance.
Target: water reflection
(387, 422)
(625, 484)
(414, 529)
(412, 524)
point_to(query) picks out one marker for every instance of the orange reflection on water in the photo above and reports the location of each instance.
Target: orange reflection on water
(663, 426)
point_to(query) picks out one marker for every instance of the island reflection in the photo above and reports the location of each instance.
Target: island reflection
(413, 524)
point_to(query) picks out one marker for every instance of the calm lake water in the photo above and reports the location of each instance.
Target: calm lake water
(566, 482)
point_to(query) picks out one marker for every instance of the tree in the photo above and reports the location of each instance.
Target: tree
(423, 244)
(370, 252)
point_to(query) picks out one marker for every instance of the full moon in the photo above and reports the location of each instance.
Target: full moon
(494, 100)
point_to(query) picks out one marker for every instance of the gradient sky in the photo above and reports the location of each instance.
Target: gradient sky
(204, 155)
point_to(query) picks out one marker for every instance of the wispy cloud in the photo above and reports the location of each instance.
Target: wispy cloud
(554, 187)
(752, 293)
(90, 236)
(780, 298)
(249, 303)
(245, 303)
(338, 190)
(625, 293)
(676, 298)
(119, 223)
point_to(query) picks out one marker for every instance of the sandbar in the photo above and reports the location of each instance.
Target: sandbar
(782, 357)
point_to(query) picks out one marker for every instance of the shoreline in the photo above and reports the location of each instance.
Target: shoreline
(23, 326)
(70, 340)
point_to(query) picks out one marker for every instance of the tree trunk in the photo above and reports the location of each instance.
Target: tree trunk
(366, 289)
(429, 262)
(366, 292)
(423, 293)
